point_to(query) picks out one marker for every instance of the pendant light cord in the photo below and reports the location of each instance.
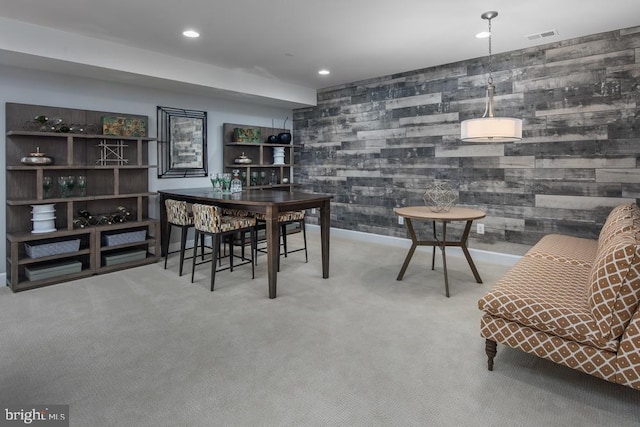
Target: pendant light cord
(488, 108)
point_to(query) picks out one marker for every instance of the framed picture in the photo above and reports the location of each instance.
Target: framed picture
(182, 143)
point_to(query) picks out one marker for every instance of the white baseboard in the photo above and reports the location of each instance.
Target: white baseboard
(477, 254)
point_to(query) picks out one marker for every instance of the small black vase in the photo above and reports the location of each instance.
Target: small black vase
(284, 138)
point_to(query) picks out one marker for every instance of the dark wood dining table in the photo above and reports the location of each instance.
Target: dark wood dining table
(268, 202)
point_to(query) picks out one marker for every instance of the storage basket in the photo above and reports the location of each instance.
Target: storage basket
(124, 238)
(123, 257)
(48, 271)
(53, 248)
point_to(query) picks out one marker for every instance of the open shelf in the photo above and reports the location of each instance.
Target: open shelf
(116, 170)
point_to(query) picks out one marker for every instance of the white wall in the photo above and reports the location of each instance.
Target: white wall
(41, 88)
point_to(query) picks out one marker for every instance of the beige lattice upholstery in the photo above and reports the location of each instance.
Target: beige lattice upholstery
(178, 212)
(178, 215)
(208, 220)
(283, 217)
(236, 212)
(574, 301)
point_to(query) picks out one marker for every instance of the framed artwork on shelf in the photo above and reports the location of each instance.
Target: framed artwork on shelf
(182, 143)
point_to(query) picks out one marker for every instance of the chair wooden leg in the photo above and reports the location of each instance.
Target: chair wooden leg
(253, 244)
(242, 243)
(216, 247)
(230, 237)
(490, 347)
(283, 231)
(195, 253)
(277, 248)
(202, 247)
(304, 238)
(166, 248)
(183, 244)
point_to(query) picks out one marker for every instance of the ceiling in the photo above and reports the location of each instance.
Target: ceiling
(290, 40)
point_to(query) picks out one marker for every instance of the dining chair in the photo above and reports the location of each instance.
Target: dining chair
(209, 221)
(285, 219)
(178, 215)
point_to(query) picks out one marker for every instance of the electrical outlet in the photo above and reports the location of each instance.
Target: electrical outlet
(480, 228)
(313, 210)
(401, 220)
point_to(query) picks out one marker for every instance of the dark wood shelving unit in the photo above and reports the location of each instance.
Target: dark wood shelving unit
(108, 187)
(261, 155)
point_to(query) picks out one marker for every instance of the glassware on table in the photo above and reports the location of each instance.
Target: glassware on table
(216, 181)
(71, 183)
(62, 186)
(47, 183)
(82, 185)
(273, 180)
(244, 178)
(226, 182)
(263, 177)
(236, 183)
(254, 179)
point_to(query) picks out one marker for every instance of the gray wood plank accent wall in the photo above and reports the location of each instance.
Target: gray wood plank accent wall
(377, 144)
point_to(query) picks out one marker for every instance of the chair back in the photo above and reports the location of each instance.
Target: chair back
(207, 218)
(178, 212)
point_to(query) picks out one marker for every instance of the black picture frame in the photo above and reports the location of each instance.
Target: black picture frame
(182, 143)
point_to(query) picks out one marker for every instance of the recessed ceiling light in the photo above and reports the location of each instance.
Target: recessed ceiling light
(191, 33)
(483, 35)
(324, 72)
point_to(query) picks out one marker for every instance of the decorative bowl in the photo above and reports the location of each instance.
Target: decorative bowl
(37, 158)
(243, 160)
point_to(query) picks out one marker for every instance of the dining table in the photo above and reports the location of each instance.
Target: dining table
(266, 201)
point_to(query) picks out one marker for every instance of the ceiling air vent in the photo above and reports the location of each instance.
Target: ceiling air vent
(542, 35)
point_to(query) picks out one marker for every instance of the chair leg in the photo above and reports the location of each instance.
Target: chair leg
(278, 249)
(195, 253)
(202, 247)
(242, 243)
(183, 243)
(216, 247)
(230, 238)
(166, 248)
(304, 238)
(253, 244)
(283, 231)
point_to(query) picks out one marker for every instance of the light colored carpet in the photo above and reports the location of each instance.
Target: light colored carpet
(143, 347)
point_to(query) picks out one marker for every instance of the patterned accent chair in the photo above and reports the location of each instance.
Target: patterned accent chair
(178, 215)
(574, 301)
(208, 220)
(284, 219)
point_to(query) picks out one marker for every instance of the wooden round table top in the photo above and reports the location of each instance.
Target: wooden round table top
(454, 214)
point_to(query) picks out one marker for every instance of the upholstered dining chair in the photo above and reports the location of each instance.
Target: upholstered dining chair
(209, 221)
(178, 215)
(284, 219)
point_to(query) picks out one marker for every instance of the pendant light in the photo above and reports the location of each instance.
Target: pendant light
(490, 128)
